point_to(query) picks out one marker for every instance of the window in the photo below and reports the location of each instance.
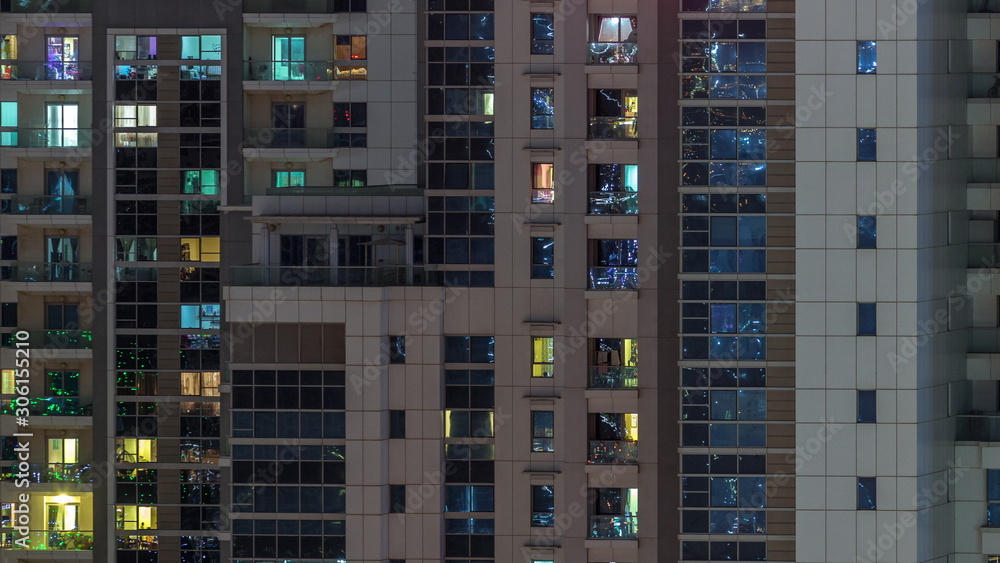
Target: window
(205, 316)
(350, 114)
(543, 506)
(62, 56)
(867, 57)
(63, 450)
(866, 319)
(8, 314)
(543, 108)
(993, 497)
(203, 383)
(866, 145)
(613, 513)
(397, 349)
(543, 182)
(349, 49)
(614, 264)
(288, 178)
(62, 383)
(614, 189)
(468, 498)
(8, 119)
(867, 229)
(397, 424)
(132, 450)
(542, 258)
(614, 40)
(8, 52)
(614, 114)
(204, 182)
(133, 47)
(724, 59)
(201, 47)
(543, 431)
(866, 493)
(542, 356)
(203, 249)
(542, 34)
(8, 180)
(469, 349)
(866, 405)
(350, 178)
(397, 499)
(288, 55)
(130, 115)
(135, 517)
(724, 6)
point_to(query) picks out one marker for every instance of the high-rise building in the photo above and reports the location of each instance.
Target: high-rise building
(367, 281)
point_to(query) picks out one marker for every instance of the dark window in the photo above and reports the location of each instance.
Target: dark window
(866, 145)
(542, 34)
(543, 108)
(542, 258)
(993, 497)
(397, 424)
(397, 498)
(867, 57)
(866, 493)
(542, 505)
(866, 405)
(8, 314)
(542, 431)
(397, 349)
(867, 231)
(866, 319)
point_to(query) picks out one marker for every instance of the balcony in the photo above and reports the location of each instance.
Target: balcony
(379, 276)
(45, 205)
(608, 452)
(617, 277)
(39, 70)
(50, 540)
(614, 53)
(46, 272)
(614, 527)
(53, 406)
(288, 6)
(40, 138)
(59, 339)
(53, 473)
(613, 128)
(614, 377)
(285, 71)
(613, 203)
(298, 145)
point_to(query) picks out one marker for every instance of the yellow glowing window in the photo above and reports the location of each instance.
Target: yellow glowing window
(632, 427)
(201, 383)
(135, 450)
(64, 450)
(202, 249)
(131, 115)
(136, 139)
(62, 512)
(7, 380)
(542, 183)
(630, 352)
(135, 517)
(542, 356)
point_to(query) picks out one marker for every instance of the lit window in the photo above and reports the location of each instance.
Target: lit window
(204, 182)
(201, 47)
(133, 47)
(542, 183)
(542, 431)
(867, 57)
(8, 118)
(542, 356)
(614, 40)
(468, 424)
(203, 383)
(347, 49)
(542, 34)
(543, 108)
(542, 258)
(614, 114)
(135, 517)
(397, 349)
(200, 316)
(128, 115)
(63, 451)
(866, 145)
(203, 249)
(133, 450)
(125, 140)
(289, 178)
(7, 382)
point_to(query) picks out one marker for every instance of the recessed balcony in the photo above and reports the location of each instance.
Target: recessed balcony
(67, 272)
(266, 77)
(57, 340)
(53, 406)
(614, 527)
(613, 203)
(52, 473)
(45, 205)
(376, 276)
(614, 53)
(49, 540)
(612, 452)
(290, 145)
(614, 377)
(614, 278)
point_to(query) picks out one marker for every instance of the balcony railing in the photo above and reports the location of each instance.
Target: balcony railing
(50, 540)
(44, 138)
(614, 527)
(613, 203)
(288, 70)
(617, 277)
(288, 6)
(614, 128)
(53, 406)
(59, 339)
(614, 377)
(53, 473)
(313, 138)
(978, 427)
(341, 276)
(47, 272)
(602, 452)
(45, 205)
(614, 53)
(50, 6)
(37, 70)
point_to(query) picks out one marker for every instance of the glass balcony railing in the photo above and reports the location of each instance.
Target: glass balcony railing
(614, 53)
(50, 540)
(52, 473)
(50, 6)
(37, 70)
(58, 339)
(45, 205)
(44, 138)
(313, 138)
(601, 452)
(614, 527)
(342, 276)
(617, 277)
(288, 6)
(53, 406)
(614, 128)
(614, 377)
(46, 272)
(288, 70)
(613, 203)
